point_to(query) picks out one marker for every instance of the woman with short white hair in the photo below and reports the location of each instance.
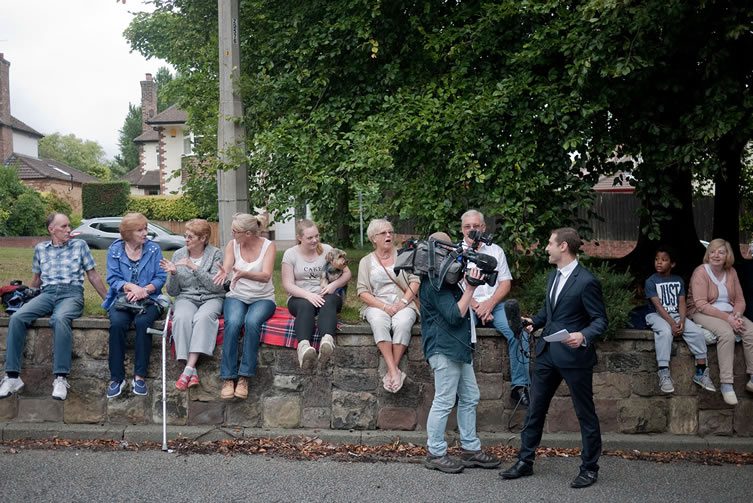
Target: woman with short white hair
(389, 301)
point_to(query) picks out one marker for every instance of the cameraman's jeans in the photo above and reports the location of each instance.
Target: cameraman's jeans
(518, 360)
(65, 302)
(452, 379)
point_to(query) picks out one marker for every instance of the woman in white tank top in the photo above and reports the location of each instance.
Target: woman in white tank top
(250, 260)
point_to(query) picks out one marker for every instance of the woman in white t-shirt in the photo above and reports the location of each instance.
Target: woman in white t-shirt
(302, 266)
(249, 303)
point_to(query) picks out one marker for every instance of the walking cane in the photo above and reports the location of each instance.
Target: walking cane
(163, 333)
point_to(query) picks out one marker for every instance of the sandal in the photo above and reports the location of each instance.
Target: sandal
(399, 385)
(183, 382)
(193, 381)
(387, 383)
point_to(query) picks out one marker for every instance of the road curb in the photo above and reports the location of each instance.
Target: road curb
(153, 433)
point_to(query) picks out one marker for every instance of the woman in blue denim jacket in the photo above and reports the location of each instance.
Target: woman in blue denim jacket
(133, 271)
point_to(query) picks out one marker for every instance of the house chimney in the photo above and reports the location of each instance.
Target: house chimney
(148, 101)
(6, 132)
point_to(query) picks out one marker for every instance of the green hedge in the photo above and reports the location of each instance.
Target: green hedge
(174, 208)
(106, 199)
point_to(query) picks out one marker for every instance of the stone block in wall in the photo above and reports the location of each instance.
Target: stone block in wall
(356, 379)
(715, 422)
(682, 369)
(176, 404)
(608, 411)
(91, 368)
(93, 343)
(743, 418)
(86, 402)
(643, 415)
(396, 418)
(415, 351)
(562, 390)
(282, 411)
(683, 415)
(644, 384)
(606, 385)
(356, 411)
(423, 406)
(288, 382)
(129, 409)
(209, 386)
(419, 371)
(38, 410)
(490, 415)
(266, 356)
(492, 386)
(39, 345)
(317, 391)
(3, 338)
(351, 340)
(9, 407)
(246, 413)
(512, 420)
(286, 362)
(357, 358)
(205, 412)
(409, 395)
(629, 362)
(712, 401)
(490, 356)
(316, 417)
(561, 416)
(37, 380)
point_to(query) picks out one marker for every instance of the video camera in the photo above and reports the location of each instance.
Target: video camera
(446, 262)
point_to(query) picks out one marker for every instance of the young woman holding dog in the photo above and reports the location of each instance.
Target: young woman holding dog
(388, 301)
(302, 267)
(249, 303)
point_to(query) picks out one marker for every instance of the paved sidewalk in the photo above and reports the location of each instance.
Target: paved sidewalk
(153, 432)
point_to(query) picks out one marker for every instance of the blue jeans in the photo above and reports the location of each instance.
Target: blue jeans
(452, 379)
(250, 317)
(120, 321)
(518, 360)
(65, 302)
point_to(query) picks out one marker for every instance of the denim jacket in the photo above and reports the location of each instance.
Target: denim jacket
(119, 270)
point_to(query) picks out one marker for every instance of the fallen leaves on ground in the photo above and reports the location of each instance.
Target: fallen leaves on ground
(299, 447)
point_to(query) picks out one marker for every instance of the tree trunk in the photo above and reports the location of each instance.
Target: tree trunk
(677, 231)
(342, 215)
(727, 194)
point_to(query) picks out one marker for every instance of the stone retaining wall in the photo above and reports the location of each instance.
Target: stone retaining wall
(347, 392)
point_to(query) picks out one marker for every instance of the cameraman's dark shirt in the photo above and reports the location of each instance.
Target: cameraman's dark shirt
(443, 330)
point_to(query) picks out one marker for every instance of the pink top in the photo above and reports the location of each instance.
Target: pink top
(703, 293)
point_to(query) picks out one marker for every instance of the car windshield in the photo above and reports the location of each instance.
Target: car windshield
(166, 231)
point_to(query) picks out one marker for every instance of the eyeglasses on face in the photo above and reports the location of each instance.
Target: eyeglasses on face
(189, 237)
(384, 233)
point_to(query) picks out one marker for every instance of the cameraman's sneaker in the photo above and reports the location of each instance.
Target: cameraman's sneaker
(60, 388)
(10, 385)
(139, 387)
(704, 380)
(478, 459)
(115, 388)
(665, 381)
(444, 464)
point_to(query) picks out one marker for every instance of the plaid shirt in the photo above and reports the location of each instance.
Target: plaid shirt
(62, 265)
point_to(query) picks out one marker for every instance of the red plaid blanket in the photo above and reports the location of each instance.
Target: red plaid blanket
(276, 331)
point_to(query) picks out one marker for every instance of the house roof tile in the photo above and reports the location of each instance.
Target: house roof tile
(140, 178)
(31, 168)
(21, 126)
(172, 115)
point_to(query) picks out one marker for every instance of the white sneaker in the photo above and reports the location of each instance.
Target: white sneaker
(10, 385)
(306, 355)
(730, 398)
(60, 388)
(326, 347)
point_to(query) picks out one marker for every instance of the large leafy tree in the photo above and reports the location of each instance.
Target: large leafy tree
(85, 155)
(128, 158)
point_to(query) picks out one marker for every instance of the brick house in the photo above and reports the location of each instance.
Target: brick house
(19, 148)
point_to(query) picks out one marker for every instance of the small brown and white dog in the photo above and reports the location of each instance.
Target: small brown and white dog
(337, 261)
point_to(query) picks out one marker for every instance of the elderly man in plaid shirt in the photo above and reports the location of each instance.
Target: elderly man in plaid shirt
(58, 267)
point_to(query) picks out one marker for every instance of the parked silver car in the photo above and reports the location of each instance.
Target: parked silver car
(102, 231)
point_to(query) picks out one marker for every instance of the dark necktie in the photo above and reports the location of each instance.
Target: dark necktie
(554, 287)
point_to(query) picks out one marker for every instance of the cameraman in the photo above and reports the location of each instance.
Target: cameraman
(58, 266)
(446, 343)
(489, 307)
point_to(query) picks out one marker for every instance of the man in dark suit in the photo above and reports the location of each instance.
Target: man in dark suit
(574, 303)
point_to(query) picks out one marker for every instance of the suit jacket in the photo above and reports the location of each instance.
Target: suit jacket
(579, 308)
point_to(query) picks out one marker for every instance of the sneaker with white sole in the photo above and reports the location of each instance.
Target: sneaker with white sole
(665, 381)
(704, 380)
(730, 398)
(749, 385)
(326, 348)
(138, 386)
(10, 385)
(60, 388)
(306, 355)
(115, 388)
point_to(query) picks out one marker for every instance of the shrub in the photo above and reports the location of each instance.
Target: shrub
(619, 297)
(105, 199)
(27, 216)
(174, 208)
(54, 203)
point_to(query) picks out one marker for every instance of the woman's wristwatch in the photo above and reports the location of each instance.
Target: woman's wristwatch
(404, 301)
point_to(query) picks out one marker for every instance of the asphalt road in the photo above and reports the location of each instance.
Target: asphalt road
(78, 475)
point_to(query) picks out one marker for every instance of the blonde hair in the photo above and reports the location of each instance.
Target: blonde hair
(714, 245)
(253, 224)
(303, 224)
(131, 223)
(376, 226)
(201, 228)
